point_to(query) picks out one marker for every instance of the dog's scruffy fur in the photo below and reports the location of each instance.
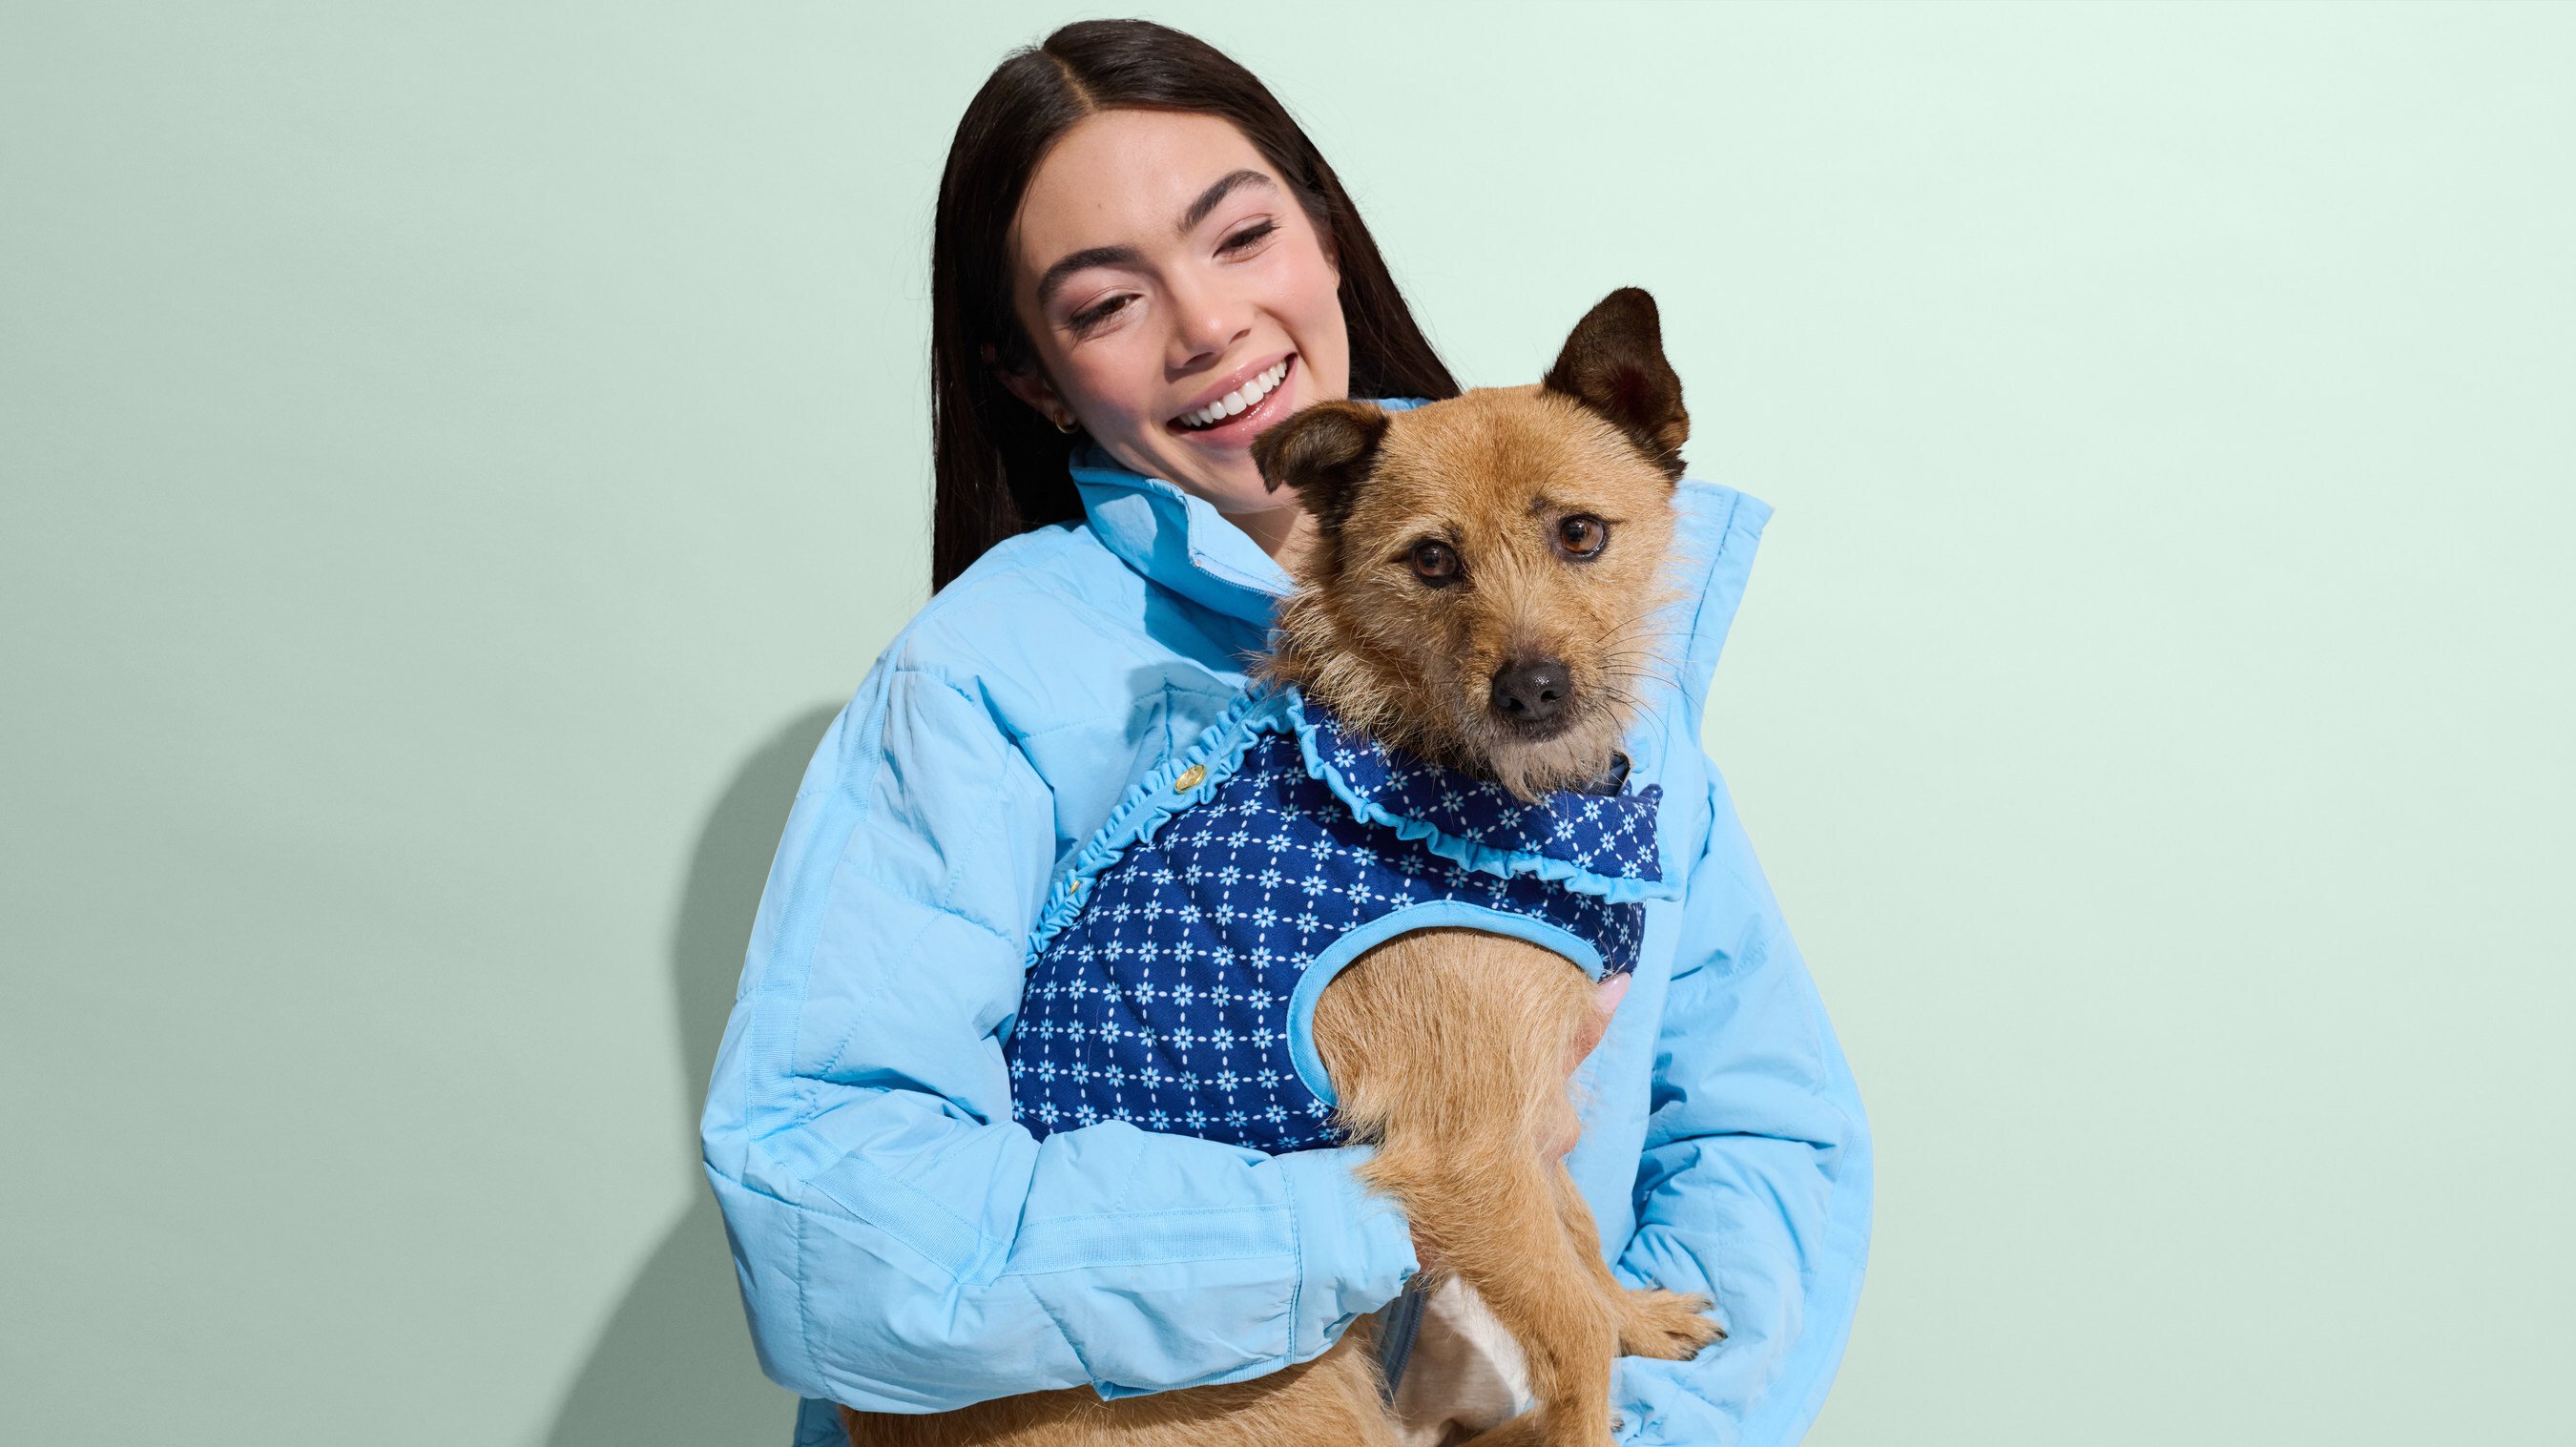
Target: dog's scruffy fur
(1480, 593)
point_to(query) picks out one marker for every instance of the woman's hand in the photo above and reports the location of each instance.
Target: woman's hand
(1605, 999)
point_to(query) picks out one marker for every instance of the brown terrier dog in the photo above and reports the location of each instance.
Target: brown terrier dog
(1484, 579)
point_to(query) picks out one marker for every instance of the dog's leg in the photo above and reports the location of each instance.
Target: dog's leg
(1447, 1050)
(1529, 1429)
(1653, 1322)
(1334, 1400)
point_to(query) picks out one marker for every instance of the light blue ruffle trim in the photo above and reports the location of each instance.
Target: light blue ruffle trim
(1141, 815)
(1483, 858)
(1220, 750)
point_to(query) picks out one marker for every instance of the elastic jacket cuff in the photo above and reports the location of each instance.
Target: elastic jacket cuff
(1354, 1246)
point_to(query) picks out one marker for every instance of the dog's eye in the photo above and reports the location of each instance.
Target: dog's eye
(1583, 535)
(1434, 562)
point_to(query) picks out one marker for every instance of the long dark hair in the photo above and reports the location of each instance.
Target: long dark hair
(1000, 466)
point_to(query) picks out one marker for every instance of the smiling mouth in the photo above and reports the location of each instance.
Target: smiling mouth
(1234, 405)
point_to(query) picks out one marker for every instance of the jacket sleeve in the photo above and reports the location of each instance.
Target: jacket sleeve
(1755, 1184)
(902, 1245)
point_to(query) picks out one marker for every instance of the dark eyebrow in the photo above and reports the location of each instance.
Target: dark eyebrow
(1080, 260)
(1215, 195)
(1209, 199)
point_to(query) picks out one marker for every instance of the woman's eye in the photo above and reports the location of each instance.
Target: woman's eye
(1248, 236)
(1583, 534)
(1092, 316)
(1434, 562)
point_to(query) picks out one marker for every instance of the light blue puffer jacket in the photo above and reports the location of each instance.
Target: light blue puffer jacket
(902, 1245)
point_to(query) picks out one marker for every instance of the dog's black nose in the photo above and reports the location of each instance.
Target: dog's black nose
(1532, 691)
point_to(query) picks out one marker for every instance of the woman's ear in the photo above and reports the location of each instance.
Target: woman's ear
(1030, 386)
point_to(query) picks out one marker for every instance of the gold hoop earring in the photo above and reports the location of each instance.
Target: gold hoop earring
(1064, 423)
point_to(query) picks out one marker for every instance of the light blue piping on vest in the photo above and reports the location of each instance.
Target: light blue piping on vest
(1432, 914)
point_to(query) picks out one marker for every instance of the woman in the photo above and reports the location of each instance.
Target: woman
(1140, 261)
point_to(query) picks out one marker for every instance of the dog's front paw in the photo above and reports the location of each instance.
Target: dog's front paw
(1665, 1325)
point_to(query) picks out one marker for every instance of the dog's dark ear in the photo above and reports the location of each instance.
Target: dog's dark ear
(1614, 364)
(1323, 452)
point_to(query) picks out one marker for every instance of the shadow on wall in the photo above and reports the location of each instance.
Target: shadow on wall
(674, 1367)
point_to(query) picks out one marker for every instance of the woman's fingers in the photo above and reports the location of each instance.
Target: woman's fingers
(1607, 995)
(1605, 1000)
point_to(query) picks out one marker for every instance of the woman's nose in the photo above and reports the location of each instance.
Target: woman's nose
(1207, 321)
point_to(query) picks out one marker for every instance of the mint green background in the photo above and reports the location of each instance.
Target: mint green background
(452, 462)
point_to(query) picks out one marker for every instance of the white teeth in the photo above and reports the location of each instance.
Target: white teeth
(1233, 403)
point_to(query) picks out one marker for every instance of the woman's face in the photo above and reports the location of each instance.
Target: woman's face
(1180, 302)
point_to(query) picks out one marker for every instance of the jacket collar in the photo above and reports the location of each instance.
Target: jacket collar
(1178, 540)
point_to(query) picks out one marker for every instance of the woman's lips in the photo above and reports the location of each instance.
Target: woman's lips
(1238, 430)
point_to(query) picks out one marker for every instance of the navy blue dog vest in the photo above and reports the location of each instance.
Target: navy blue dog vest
(1174, 972)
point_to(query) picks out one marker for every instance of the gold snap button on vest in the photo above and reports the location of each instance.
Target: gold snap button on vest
(1191, 778)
